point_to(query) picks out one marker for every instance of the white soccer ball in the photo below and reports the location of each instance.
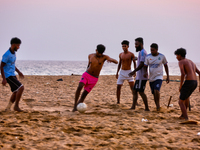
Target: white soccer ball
(81, 107)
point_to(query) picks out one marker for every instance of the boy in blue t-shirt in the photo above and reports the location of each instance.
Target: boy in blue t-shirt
(8, 69)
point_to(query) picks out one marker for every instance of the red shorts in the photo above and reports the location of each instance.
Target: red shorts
(89, 81)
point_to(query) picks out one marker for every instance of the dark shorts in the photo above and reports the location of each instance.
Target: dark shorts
(188, 87)
(155, 85)
(14, 83)
(140, 85)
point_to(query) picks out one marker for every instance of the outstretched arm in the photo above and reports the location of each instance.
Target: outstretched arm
(111, 60)
(167, 72)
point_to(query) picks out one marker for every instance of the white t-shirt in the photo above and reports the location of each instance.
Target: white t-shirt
(155, 64)
(141, 58)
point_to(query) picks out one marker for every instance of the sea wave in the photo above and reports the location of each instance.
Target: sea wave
(29, 67)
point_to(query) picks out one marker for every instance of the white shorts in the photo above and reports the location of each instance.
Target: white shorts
(123, 75)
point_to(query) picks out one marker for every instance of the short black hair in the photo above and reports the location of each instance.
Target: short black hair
(15, 40)
(101, 48)
(140, 39)
(180, 51)
(125, 42)
(154, 45)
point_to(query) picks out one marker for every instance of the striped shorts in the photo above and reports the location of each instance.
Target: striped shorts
(140, 85)
(14, 83)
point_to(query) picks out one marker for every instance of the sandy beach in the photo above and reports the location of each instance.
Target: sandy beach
(49, 123)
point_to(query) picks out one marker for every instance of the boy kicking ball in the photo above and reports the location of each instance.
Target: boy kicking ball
(90, 77)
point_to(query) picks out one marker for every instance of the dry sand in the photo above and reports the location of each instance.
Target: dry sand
(48, 122)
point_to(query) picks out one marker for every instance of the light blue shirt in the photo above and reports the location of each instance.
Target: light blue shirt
(9, 59)
(141, 58)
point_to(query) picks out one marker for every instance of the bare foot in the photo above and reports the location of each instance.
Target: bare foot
(7, 109)
(181, 117)
(137, 104)
(158, 108)
(9, 106)
(17, 109)
(132, 108)
(74, 110)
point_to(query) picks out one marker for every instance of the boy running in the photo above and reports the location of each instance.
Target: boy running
(125, 60)
(90, 77)
(8, 69)
(188, 72)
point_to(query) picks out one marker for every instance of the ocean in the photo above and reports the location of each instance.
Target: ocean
(29, 67)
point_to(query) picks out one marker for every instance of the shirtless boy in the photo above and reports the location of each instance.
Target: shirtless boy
(90, 77)
(125, 60)
(188, 72)
(8, 69)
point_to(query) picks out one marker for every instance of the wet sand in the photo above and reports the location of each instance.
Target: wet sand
(48, 122)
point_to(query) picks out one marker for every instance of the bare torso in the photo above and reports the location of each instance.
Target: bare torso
(95, 64)
(188, 68)
(126, 59)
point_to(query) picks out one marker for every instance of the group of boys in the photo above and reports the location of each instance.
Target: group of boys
(154, 61)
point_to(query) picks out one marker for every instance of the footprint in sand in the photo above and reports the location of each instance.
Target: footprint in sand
(29, 102)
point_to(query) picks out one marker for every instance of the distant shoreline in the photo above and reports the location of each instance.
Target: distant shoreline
(81, 75)
(76, 61)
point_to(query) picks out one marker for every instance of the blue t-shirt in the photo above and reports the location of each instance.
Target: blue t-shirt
(9, 59)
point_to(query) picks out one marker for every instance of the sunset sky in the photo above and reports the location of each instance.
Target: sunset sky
(70, 29)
